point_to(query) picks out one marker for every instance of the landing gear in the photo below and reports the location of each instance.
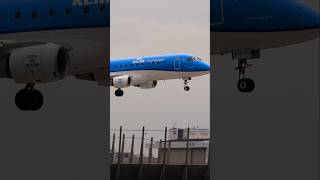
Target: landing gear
(186, 87)
(119, 92)
(244, 84)
(29, 99)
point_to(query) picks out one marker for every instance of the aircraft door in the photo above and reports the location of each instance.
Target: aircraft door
(177, 64)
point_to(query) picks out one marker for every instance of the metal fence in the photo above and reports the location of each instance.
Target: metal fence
(149, 164)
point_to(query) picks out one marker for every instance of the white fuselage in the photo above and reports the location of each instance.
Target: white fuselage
(143, 76)
(227, 42)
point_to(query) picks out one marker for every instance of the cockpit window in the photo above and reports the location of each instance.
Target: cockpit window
(192, 59)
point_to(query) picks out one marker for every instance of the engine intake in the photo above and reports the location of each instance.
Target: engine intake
(121, 81)
(38, 64)
(148, 85)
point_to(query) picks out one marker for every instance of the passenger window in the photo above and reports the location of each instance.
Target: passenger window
(51, 12)
(85, 9)
(17, 15)
(68, 11)
(35, 14)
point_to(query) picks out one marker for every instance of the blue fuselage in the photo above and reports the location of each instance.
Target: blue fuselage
(178, 62)
(37, 15)
(262, 16)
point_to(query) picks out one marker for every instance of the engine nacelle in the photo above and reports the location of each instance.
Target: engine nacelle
(39, 63)
(121, 81)
(148, 85)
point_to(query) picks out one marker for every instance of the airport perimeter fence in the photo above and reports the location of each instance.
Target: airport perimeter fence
(154, 156)
(152, 148)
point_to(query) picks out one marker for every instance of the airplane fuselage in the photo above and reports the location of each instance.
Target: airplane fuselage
(251, 24)
(81, 25)
(154, 68)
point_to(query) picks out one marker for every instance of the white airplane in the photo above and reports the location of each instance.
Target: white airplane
(43, 41)
(244, 27)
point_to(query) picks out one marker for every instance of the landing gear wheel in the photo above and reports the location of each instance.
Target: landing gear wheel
(22, 99)
(36, 100)
(186, 88)
(29, 99)
(118, 92)
(246, 85)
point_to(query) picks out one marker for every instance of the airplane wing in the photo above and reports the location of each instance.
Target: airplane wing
(6, 45)
(100, 76)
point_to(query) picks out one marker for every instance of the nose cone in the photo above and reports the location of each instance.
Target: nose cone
(304, 16)
(205, 66)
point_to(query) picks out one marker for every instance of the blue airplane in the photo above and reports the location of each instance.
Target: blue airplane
(244, 27)
(43, 41)
(145, 72)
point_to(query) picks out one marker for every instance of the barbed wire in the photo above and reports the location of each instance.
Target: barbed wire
(156, 130)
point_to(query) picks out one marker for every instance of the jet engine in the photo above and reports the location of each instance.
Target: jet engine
(38, 64)
(148, 85)
(121, 81)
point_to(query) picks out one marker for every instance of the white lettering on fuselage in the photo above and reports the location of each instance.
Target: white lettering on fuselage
(88, 2)
(141, 60)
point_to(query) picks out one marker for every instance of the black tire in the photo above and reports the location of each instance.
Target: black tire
(246, 85)
(186, 88)
(118, 92)
(36, 100)
(22, 99)
(29, 100)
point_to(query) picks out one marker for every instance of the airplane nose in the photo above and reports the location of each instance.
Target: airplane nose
(205, 66)
(302, 16)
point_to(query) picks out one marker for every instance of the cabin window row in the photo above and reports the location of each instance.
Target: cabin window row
(67, 12)
(139, 64)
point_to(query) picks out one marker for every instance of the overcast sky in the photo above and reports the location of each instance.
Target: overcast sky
(153, 27)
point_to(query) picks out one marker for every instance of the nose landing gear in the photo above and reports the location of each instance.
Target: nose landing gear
(186, 87)
(29, 99)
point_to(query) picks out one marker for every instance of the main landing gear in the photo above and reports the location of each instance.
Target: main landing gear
(119, 92)
(244, 84)
(186, 87)
(29, 99)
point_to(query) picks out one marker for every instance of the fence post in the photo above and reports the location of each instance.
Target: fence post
(112, 147)
(165, 146)
(141, 147)
(150, 150)
(140, 174)
(159, 150)
(131, 152)
(122, 148)
(117, 175)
